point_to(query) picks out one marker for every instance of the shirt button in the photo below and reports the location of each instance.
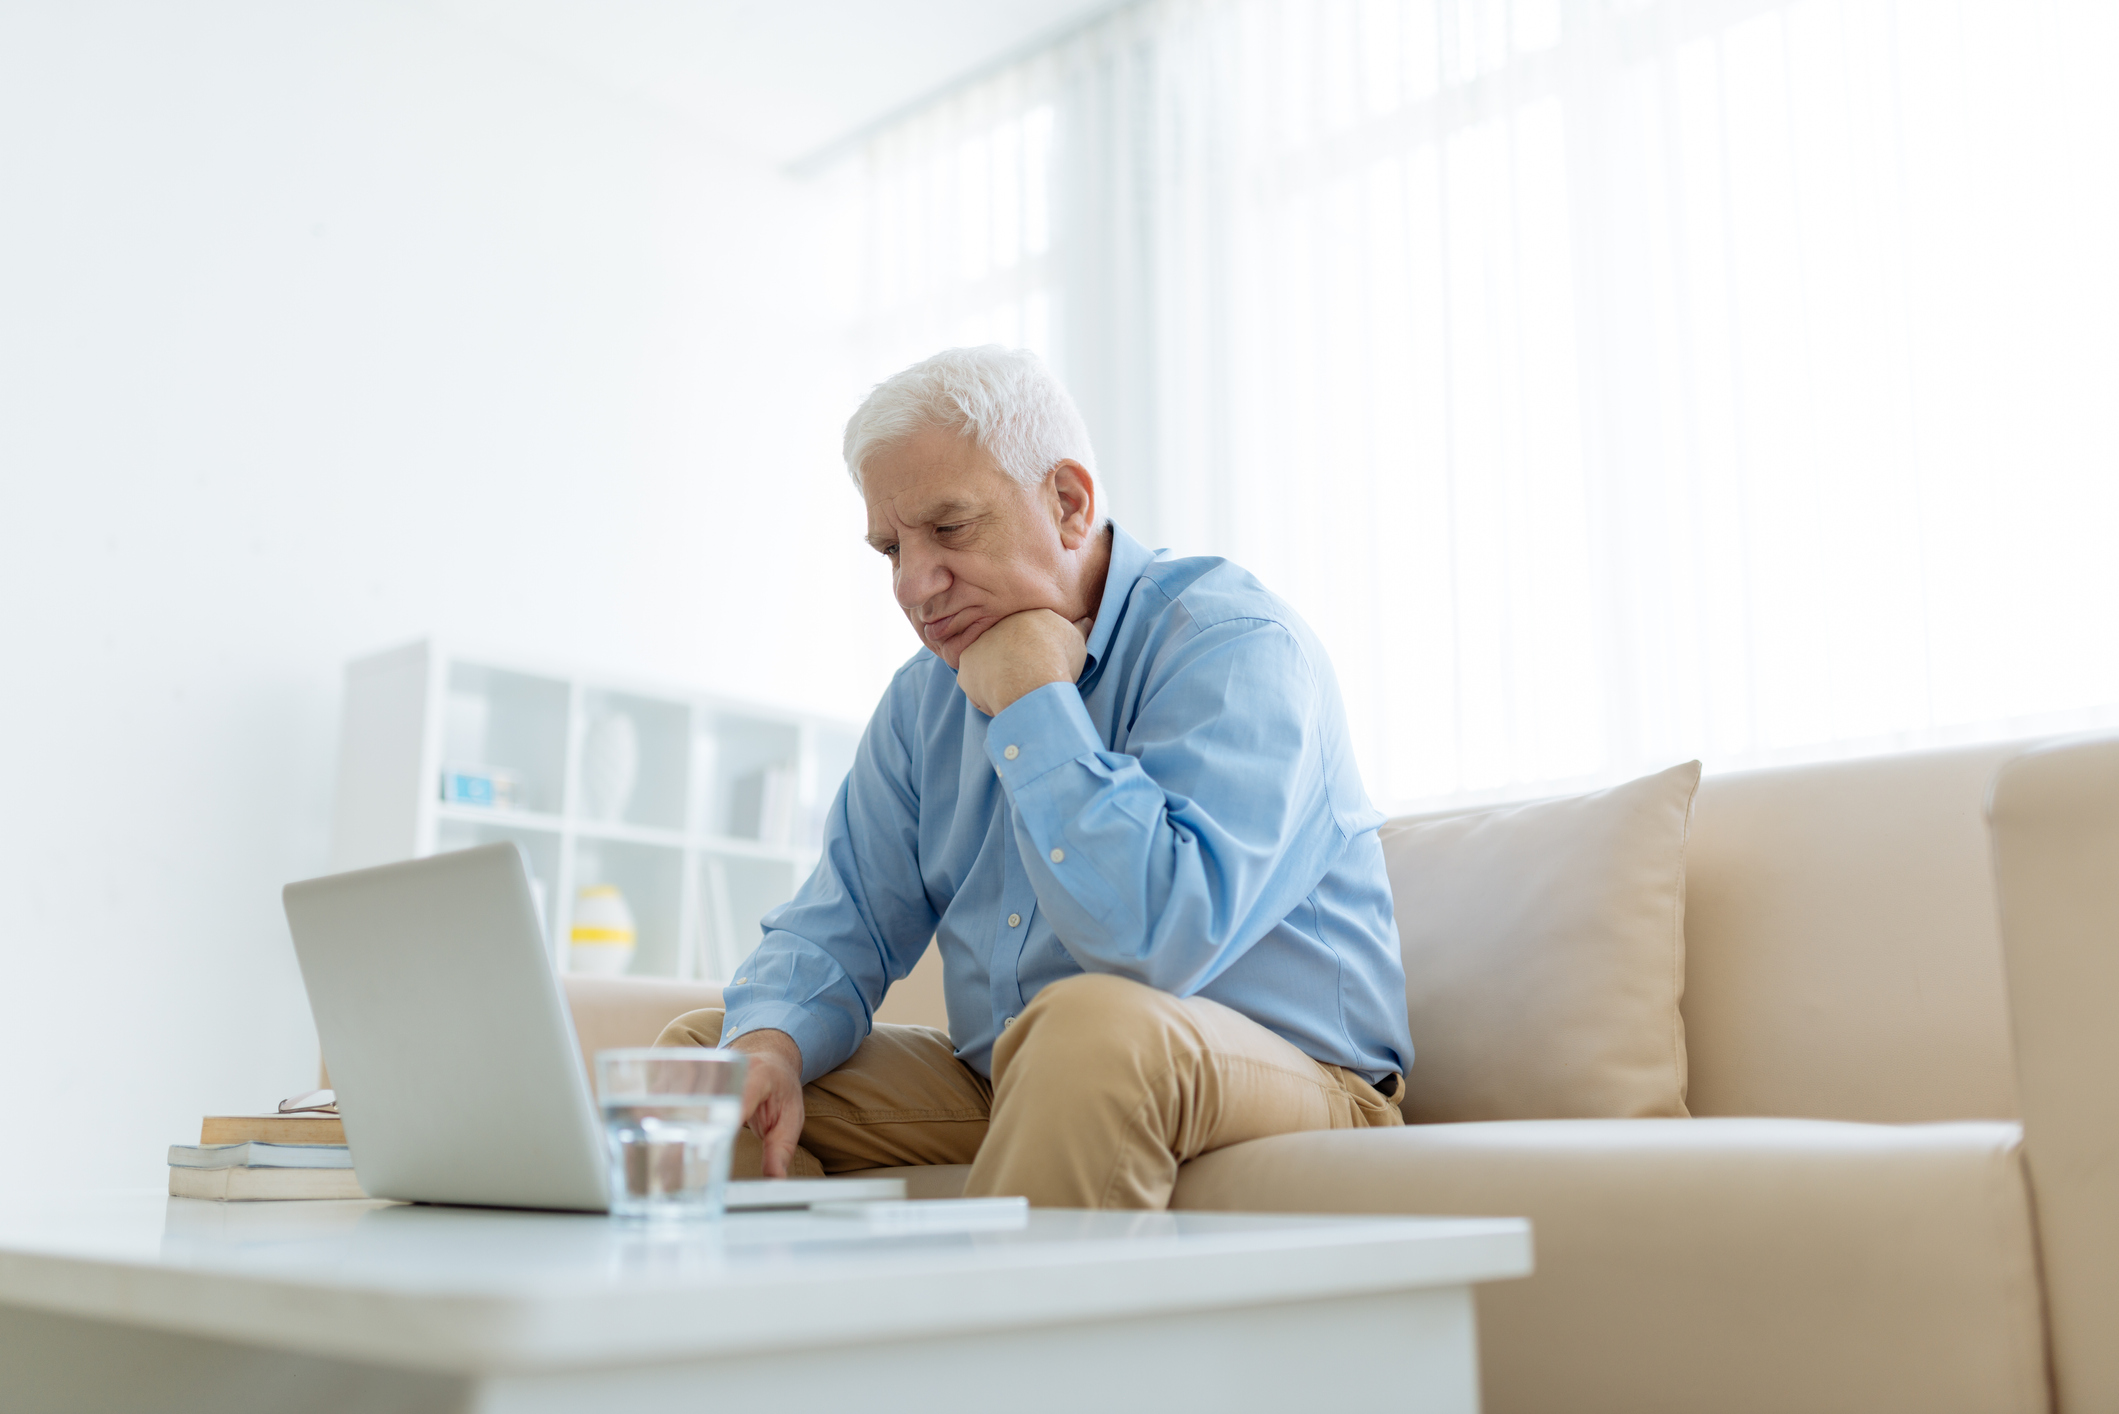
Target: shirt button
(739, 981)
(1011, 753)
(1006, 1022)
(1058, 855)
(1014, 919)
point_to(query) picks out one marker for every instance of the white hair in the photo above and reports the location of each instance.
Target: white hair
(1005, 400)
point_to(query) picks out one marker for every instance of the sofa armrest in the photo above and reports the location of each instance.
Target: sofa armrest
(610, 1012)
(2054, 819)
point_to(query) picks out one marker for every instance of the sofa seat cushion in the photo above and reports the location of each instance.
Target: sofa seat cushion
(1708, 1264)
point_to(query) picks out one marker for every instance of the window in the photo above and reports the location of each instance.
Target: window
(1608, 383)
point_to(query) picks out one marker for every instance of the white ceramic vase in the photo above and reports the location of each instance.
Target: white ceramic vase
(610, 767)
(602, 940)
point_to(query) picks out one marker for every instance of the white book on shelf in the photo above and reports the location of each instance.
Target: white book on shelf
(746, 805)
(762, 803)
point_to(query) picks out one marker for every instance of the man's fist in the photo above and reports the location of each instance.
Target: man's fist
(1019, 655)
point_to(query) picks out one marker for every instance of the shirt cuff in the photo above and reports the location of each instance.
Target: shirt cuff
(1039, 731)
(813, 1035)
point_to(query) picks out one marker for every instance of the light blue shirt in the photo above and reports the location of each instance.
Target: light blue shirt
(1187, 814)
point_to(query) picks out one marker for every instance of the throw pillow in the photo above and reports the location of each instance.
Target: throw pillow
(1545, 954)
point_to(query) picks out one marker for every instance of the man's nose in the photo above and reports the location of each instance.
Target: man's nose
(921, 576)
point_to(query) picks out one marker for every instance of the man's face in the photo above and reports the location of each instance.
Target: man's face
(968, 545)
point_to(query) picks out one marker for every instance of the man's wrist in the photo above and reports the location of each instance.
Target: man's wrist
(768, 1041)
(1029, 680)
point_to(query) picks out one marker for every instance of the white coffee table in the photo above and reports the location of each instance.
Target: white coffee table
(140, 1301)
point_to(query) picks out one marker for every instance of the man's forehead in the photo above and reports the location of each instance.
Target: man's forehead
(926, 495)
(918, 507)
(888, 514)
(930, 479)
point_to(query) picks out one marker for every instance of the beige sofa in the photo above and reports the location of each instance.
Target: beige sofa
(1847, 1223)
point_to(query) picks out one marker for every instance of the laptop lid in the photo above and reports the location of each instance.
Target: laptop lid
(450, 1046)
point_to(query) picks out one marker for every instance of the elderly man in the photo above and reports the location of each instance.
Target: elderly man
(1115, 789)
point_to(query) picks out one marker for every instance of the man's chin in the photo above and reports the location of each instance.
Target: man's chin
(951, 650)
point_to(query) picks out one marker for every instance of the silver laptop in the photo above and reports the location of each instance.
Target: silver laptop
(450, 1046)
(452, 1050)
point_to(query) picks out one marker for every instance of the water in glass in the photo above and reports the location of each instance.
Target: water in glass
(669, 1122)
(669, 1155)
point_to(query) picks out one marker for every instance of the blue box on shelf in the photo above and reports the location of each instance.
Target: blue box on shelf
(484, 787)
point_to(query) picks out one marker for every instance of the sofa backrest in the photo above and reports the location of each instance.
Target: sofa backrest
(1843, 955)
(615, 1012)
(1843, 959)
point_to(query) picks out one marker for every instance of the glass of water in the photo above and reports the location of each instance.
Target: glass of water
(670, 1116)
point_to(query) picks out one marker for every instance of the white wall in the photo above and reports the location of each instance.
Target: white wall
(325, 326)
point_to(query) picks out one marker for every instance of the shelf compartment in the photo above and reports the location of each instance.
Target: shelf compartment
(749, 777)
(513, 721)
(651, 877)
(662, 730)
(826, 765)
(735, 892)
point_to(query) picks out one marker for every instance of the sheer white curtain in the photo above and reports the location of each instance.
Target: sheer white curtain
(956, 243)
(1607, 382)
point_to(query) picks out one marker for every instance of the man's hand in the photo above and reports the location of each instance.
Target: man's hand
(772, 1094)
(1019, 655)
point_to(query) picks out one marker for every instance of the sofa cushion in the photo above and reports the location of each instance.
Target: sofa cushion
(1842, 949)
(1545, 954)
(1724, 1264)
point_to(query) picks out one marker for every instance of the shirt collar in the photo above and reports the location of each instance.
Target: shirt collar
(1129, 560)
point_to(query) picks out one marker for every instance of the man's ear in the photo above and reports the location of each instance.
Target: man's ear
(1074, 495)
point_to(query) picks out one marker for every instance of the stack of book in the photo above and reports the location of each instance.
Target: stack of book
(249, 1157)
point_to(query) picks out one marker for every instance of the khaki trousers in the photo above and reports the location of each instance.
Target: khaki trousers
(1101, 1088)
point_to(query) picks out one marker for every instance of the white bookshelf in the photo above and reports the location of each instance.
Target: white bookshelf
(696, 850)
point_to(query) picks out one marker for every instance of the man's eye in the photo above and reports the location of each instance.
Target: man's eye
(947, 529)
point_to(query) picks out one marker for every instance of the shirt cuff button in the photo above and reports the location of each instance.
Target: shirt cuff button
(1058, 855)
(1011, 753)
